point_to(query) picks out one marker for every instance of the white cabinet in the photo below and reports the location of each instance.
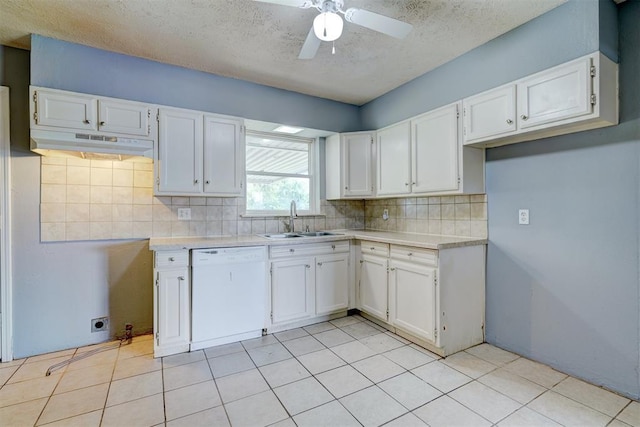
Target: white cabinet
(374, 297)
(199, 154)
(349, 165)
(393, 172)
(292, 290)
(332, 292)
(308, 280)
(61, 109)
(172, 302)
(578, 95)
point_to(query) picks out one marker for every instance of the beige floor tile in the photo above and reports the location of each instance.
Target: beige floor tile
(617, 423)
(136, 366)
(407, 357)
(407, 420)
(304, 345)
(319, 327)
(33, 370)
(469, 365)
(333, 337)
(22, 414)
(631, 414)
(328, 415)
(284, 423)
(16, 362)
(191, 399)
(398, 337)
(222, 350)
(441, 376)
(258, 410)
(525, 417)
(182, 359)
(132, 388)
(107, 357)
(302, 395)
(284, 372)
(492, 354)
(259, 342)
(74, 403)
(211, 417)
(270, 353)
(372, 406)
(409, 390)
(566, 411)
(148, 411)
(184, 375)
(485, 401)
(100, 346)
(353, 351)
(381, 342)
(519, 389)
(136, 348)
(291, 334)
(344, 321)
(378, 368)
(90, 419)
(80, 378)
(320, 361)
(5, 373)
(343, 381)
(425, 351)
(536, 372)
(360, 330)
(243, 384)
(47, 356)
(445, 412)
(592, 396)
(10, 394)
(230, 364)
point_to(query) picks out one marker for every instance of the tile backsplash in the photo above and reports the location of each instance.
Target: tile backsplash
(99, 199)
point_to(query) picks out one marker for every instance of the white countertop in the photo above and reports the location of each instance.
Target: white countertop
(428, 241)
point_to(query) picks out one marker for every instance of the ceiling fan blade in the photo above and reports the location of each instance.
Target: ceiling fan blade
(310, 46)
(295, 3)
(374, 21)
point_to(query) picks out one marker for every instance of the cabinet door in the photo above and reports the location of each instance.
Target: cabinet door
(373, 286)
(393, 160)
(357, 166)
(179, 160)
(123, 117)
(66, 110)
(292, 290)
(434, 151)
(413, 298)
(173, 302)
(490, 114)
(223, 156)
(332, 283)
(558, 94)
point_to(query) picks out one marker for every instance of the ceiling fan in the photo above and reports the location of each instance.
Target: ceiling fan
(327, 26)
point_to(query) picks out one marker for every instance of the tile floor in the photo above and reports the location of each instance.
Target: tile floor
(347, 372)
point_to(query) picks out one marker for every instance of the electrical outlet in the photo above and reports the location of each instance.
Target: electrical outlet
(184, 214)
(385, 214)
(100, 324)
(523, 216)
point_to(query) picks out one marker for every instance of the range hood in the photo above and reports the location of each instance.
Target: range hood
(87, 145)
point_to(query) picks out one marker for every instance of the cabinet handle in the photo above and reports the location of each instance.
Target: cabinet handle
(392, 269)
(195, 181)
(523, 117)
(206, 182)
(346, 188)
(410, 254)
(102, 123)
(372, 248)
(171, 259)
(406, 183)
(333, 247)
(509, 121)
(307, 266)
(180, 277)
(292, 250)
(320, 264)
(413, 183)
(86, 121)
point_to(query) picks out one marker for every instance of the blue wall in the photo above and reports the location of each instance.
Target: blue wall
(62, 65)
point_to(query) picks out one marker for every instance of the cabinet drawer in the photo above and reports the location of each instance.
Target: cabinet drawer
(423, 256)
(172, 259)
(374, 248)
(311, 249)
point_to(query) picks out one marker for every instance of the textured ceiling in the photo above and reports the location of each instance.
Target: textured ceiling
(260, 42)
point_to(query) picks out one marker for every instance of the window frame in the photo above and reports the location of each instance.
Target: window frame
(313, 176)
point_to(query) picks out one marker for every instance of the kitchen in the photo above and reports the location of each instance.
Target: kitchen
(547, 323)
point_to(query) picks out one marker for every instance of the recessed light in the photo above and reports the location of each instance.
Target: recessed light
(288, 129)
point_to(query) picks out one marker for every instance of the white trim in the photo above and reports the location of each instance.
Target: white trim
(5, 230)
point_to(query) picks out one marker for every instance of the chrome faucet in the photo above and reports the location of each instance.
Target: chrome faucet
(292, 212)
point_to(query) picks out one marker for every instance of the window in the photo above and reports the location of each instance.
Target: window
(280, 169)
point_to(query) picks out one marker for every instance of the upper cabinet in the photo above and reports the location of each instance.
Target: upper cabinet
(575, 96)
(393, 172)
(55, 109)
(199, 153)
(349, 165)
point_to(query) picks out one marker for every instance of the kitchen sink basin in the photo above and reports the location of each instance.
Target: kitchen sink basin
(294, 235)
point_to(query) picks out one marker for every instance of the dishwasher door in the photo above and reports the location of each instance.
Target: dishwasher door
(229, 295)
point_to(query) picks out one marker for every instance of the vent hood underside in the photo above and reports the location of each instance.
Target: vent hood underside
(89, 146)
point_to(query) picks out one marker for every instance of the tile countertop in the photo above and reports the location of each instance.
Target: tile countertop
(428, 241)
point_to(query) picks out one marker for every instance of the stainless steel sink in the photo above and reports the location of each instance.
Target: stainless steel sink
(294, 235)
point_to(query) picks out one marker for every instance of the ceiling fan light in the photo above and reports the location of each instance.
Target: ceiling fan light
(327, 26)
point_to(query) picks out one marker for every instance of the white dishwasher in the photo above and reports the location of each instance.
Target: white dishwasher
(228, 295)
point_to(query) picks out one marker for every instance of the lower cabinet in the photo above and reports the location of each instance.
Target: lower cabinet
(172, 303)
(374, 293)
(308, 281)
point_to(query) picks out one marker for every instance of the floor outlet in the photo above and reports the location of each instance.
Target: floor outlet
(523, 217)
(184, 214)
(100, 324)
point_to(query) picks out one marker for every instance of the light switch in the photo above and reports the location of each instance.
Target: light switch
(184, 214)
(523, 217)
